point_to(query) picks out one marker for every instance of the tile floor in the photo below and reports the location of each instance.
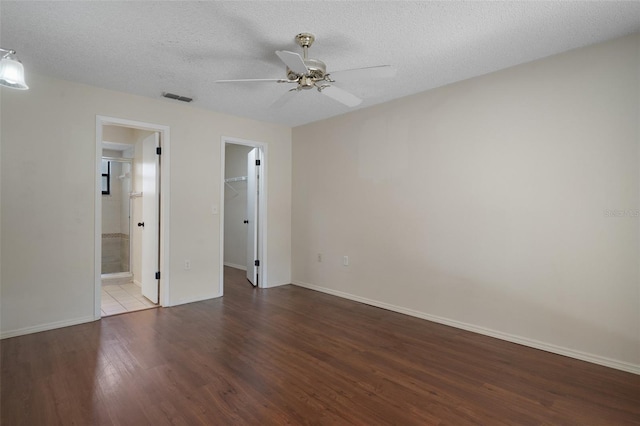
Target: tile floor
(120, 298)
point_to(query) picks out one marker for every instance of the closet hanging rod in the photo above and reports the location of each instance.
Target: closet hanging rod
(235, 179)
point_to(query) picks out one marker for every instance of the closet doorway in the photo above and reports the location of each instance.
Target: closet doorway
(243, 224)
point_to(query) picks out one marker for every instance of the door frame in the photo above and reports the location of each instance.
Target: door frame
(262, 208)
(165, 138)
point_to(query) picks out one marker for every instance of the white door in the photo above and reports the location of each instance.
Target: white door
(252, 215)
(150, 221)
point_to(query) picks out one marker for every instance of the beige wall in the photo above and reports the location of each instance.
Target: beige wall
(235, 206)
(48, 225)
(118, 134)
(483, 204)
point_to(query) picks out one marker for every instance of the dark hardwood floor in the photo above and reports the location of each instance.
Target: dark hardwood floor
(293, 356)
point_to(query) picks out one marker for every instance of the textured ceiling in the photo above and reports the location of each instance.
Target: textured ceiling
(183, 47)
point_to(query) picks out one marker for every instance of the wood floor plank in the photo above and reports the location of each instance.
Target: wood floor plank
(293, 356)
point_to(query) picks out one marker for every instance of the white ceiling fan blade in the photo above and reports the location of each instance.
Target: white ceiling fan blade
(341, 96)
(252, 80)
(379, 71)
(293, 61)
(284, 99)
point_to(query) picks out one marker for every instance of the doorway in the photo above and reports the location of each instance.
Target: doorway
(130, 228)
(243, 222)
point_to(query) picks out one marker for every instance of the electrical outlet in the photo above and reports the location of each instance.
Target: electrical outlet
(345, 260)
(319, 257)
(187, 264)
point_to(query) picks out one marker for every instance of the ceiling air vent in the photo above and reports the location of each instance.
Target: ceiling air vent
(176, 97)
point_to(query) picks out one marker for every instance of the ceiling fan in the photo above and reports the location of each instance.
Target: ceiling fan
(308, 73)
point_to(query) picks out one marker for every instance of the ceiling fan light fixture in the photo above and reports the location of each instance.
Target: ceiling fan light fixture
(11, 71)
(306, 83)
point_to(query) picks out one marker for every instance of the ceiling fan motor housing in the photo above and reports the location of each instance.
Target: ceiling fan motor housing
(317, 70)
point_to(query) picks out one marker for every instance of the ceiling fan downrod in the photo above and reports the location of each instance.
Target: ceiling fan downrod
(305, 40)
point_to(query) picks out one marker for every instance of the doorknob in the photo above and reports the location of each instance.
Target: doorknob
(141, 224)
(246, 221)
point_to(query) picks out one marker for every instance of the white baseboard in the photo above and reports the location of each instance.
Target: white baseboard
(194, 299)
(45, 327)
(233, 265)
(116, 275)
(583, 356)
(276, 285)
(138, 283)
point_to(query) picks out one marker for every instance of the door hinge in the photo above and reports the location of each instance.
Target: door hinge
(256, 263)
(158, 275)
(158, 150)
(257, 162)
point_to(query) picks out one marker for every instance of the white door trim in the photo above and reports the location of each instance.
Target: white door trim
(262, 209)
(164, 205)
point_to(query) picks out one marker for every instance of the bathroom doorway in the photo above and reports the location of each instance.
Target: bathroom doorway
(129, 230)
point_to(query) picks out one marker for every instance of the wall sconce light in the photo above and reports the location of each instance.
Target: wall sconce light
(11, 70)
